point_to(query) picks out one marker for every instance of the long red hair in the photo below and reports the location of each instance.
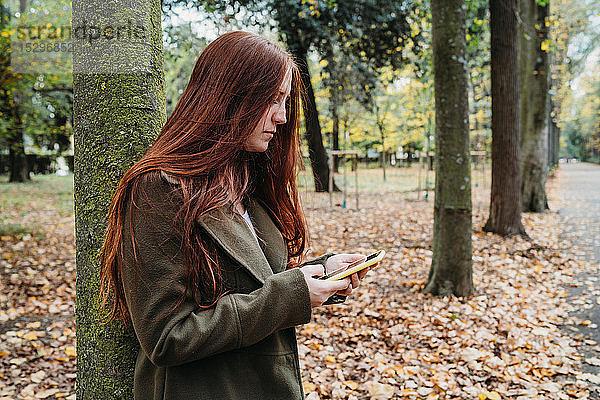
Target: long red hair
(234, 81)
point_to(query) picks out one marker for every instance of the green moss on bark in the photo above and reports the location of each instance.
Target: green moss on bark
(117, 116)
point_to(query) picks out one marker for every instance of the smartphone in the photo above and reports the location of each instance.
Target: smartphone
(356, 266)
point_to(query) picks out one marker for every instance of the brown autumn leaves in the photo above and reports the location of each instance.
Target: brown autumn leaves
(387, 341)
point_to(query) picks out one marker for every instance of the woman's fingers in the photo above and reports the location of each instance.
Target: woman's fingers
(341, 285)
(342, 260)
(355, 280)
(346, 291)
(321, 290)
(362, 273)
(313, 270)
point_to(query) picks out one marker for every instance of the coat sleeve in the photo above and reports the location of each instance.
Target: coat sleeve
(172, 329)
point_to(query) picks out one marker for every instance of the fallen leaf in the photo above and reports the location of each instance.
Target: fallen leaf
(380, 391)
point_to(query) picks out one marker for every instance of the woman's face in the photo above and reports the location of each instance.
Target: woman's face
(258, 141)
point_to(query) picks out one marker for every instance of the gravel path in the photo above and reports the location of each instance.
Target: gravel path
(579, 210)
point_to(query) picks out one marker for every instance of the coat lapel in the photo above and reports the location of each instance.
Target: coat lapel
(269, 236)
(232, 233)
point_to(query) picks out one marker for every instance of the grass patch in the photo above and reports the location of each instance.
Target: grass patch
(398, 179)
(15, 230)
(44, 192)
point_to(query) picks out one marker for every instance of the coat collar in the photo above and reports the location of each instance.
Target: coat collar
(232, 233)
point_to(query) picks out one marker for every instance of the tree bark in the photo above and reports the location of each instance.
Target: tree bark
(335, 129)
(17, 160)
(11, 100)
(535, 103)
(119, 108)
(293, 37)
(553, 111)
(451, 267)
(316, 150)
(553, 137)
(505, 201)
(382, 154)
(17, 163)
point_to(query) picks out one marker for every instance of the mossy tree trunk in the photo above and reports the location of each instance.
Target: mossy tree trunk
(451, 267)
(505, 199)
(535, 104)
(119, 108)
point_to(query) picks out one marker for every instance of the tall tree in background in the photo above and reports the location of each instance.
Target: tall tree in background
(451, 267)
(535, 103)
(299, 47)
(119, 108)
(35, 96)
(346, 80)
(367, 44)
(505, 201)
(15, 90)
(376, 32)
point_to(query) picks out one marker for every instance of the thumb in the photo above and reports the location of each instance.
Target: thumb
(313, 269)
(353, 257)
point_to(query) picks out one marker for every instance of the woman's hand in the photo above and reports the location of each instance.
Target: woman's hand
(321, 290)
(343, 260)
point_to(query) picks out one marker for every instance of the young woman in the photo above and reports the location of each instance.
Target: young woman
(206, 233)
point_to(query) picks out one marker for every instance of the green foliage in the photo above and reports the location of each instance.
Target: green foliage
(34, 107)
(403, 105)
(182, 45)
(575, 81)
(478, 62)
(580, 121)
(353, 51)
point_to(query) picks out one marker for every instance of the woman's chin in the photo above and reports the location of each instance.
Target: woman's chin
(258, 148)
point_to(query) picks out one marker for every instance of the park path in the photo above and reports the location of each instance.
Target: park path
(578, 206)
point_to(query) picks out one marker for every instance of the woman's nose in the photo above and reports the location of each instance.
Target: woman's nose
(279, 116)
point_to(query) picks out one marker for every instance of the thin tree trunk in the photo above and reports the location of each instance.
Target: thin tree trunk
(382, 155)
(335, 130)
(505, 201)
(553, 130)
(18, 168)
(17, 162)
(451, 267)
(553, 139)
(534, 82)
(119, 108)
(293, 37)
(316, 150)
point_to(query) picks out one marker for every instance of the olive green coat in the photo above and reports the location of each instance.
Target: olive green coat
(242, 348)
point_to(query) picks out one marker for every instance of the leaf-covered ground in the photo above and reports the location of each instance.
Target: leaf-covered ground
(37, 291)
(387, 341)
